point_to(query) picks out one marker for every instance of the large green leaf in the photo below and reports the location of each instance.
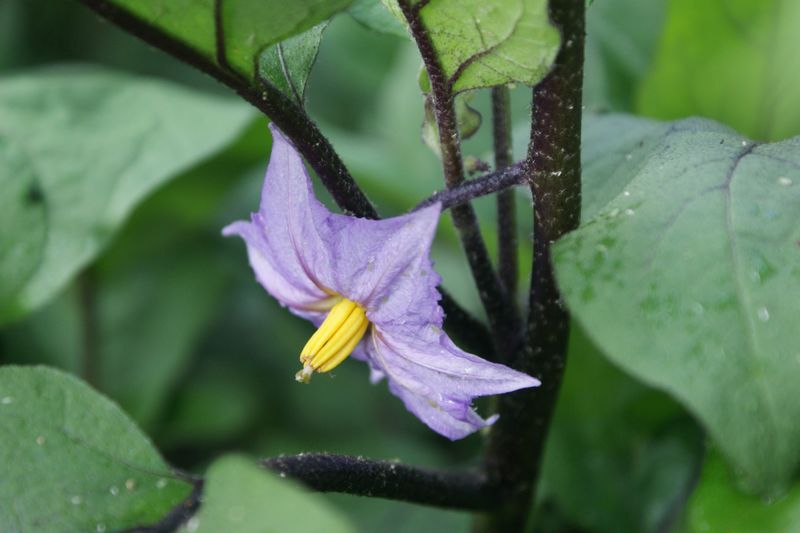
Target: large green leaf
(239, 496)
(687, 277)
(72, 461)
(248, 26)
(620, 456)
(79, 149)
(733, 61)
(484, 44)
(717, 505)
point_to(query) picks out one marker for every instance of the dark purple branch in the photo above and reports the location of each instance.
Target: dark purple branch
(501, 313)
(324, 472)
(506, 208)
(517, 440)
(499, 181)
(386, 479)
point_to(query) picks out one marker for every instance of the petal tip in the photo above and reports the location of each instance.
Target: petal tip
(234, 228)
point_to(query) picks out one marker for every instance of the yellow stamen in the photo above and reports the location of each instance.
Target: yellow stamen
(335, 339)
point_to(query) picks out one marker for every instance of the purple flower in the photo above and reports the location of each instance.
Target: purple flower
(370, 288)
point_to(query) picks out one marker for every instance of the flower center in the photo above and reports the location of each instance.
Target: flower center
(335, 339)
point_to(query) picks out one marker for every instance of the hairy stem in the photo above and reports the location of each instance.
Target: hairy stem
(516, 442)
(386, 479)
(499, 181)
(502, 316)
(323, 472)
(506, 208)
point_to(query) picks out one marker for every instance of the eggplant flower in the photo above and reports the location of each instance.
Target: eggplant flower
(370, 288)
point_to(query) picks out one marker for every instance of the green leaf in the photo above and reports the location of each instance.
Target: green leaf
(468, 121)
(735, 62)
(484, 44)
(687, 277)
(248, 26)
(73, 461)
(374, 15)
(239, 496)
(619, 455)
(287, 64)
(80, 149)
(717, 505)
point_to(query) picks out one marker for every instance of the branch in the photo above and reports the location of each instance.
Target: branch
(324, 472)
(499, 181)
(501, 313)
(386, 479)
(506, 208)
(517, 440)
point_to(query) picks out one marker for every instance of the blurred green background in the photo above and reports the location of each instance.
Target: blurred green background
(203, 359)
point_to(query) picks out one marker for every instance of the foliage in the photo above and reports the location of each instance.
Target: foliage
(81, 148)
(73, 460)
(693, 250)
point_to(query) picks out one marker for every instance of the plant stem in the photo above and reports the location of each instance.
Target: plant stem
(501, 180)
(517, 441)
(506, 208)
(503, 319)
(385, 479)
(324, 472)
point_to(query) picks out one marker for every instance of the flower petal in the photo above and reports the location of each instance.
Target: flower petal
(436, 380)
(384, 265)
(286, 250)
